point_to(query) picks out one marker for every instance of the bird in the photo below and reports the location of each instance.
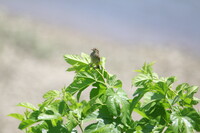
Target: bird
(95, 57)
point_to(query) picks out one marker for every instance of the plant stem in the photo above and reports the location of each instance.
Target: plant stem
(81, 128)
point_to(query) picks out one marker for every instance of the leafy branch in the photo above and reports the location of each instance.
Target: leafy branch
(162, 107)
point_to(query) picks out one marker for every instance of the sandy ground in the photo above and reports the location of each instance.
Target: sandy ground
(31, 56)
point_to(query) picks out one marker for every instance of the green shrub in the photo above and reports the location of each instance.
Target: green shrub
(162, 107)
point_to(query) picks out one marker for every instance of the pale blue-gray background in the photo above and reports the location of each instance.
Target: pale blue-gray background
(127, 21)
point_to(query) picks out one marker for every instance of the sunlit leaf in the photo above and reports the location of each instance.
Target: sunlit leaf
(181, 122)
(26, 123)
(51, 94)
(118, 105)
(17, 116)
(27, 105)
(100, 127)
(47, 117)
(78, 62)
(141, 79)
(72, 122)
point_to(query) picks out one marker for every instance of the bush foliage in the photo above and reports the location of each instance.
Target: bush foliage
(162, 107)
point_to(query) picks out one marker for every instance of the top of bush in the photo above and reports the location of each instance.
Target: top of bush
(162, 106)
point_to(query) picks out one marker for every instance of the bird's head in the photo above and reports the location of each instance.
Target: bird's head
(95, 50)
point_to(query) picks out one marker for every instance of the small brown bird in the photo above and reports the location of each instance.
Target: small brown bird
(95, 58)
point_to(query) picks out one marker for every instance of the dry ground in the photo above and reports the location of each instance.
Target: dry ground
(31, 62)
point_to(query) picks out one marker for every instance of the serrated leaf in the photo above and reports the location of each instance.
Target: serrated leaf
(141, 79)
(113, 82)
(149, 98)
(51, 94)
(118, 105)
(113, 102)
(78, 62)
(45, 103)
(26, 123)
(79, 84)
(145, 76)
(72, 122)
(27, 105)
(171, 80)
(192, 90)
(91, 116)
(100, 127)
(17, 116)
(181, 122)
(93, 127)
(147, 68)
(139, 93)
(193, 115)
(83, 80)
(186, 94)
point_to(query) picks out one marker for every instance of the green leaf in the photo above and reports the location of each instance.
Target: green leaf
(151, 106)
(26, 123)
(113, 82)
(105, 114)
(84, 79)
(91, 106)
(40, 128)
(92, 116)
(195, 101)
(181, 88)
(193, 115)
(147, 125)
(150, 98)
(79, 84)
(51, 94)
(145, 76)
(186, 94)
(118, 105)
(161, 108)
(63, 108)
(27, 105)
(72, 122)
(113, 102)
(171, 80)
(141, 113)
(158, 129)
(45, 103)
(181, 122)
(141, 79)
(96, 92)
(175, 100)
(17, 116)
(192, 90)
(78, 62)
(139, 93)
(34, 115)
(103, 62)
(100, 127)
(147, 68)
(44, 116)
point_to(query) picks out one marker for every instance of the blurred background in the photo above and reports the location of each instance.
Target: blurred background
(34, 36)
